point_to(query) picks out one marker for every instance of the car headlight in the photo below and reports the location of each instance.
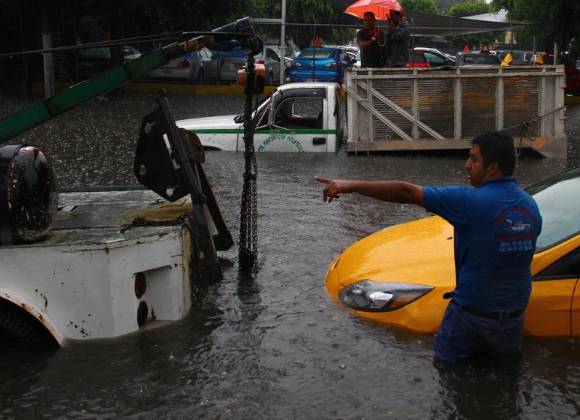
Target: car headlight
(372, 296)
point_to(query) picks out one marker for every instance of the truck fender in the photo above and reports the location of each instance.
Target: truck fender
(35, 313)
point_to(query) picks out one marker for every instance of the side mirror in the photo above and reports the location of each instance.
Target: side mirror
(272, 108)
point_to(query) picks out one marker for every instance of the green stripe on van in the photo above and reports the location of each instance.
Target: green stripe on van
(261, 131)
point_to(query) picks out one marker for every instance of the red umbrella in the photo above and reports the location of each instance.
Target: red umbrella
(380, 8)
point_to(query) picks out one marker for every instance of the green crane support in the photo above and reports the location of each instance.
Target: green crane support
(39, 112)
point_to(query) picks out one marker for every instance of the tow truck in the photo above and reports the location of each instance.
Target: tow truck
(102, 264)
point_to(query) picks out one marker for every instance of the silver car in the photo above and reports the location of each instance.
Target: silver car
(196, 66)
(227, 62)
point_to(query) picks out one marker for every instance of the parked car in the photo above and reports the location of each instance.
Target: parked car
(436, 58)
(351, 51)
(231, 57)
(398, 276)
(228, 58)
(357, 61)
(287, 53)
(320, 64)
(451, 57)
(417, 59)
(476, 59)
(572, 79)
(272, 61)
(93, 61)
(196, 66)
(519, 57)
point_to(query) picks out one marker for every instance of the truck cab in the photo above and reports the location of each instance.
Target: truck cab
(296, 117)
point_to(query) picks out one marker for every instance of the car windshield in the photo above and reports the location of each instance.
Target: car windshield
(560, 212)
(316, 53)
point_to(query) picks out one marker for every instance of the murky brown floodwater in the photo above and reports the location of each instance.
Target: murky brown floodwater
(276, 346)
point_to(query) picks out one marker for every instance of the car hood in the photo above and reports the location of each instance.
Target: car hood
(219, 122)
(419, 252)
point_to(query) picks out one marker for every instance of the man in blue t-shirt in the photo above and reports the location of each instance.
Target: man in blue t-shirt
(496, 225)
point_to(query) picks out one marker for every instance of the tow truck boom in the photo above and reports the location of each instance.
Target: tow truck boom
(39, 112)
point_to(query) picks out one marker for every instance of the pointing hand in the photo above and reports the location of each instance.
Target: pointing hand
(333, 188)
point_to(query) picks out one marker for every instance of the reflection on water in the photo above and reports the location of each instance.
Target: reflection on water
(481, 389)
(275, 345)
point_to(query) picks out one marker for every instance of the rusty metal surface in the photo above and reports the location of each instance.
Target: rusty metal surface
(478, 112)
(436, 89)
(100, 218)
(398, 91)
(521, 96)
(436, 106)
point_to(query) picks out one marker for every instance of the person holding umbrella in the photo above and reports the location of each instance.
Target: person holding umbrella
(397, 40)
(371, 42)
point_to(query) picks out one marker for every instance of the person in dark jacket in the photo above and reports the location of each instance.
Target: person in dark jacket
(371, 42)
(397, 41)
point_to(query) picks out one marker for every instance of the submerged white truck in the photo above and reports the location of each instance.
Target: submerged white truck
(297, 117)
(403, 109)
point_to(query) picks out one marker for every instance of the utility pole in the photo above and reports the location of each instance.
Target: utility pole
(47, 58)
(282, 22)
(283, 43)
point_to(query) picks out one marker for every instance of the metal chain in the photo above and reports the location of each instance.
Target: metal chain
(248, 248)
(526, 128)
(533, 119)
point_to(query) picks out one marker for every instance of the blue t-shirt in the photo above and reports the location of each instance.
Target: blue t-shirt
(496, 226)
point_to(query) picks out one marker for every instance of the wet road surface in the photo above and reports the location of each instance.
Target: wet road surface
(276, 346)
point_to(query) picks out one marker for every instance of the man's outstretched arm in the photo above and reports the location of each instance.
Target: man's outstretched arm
(392, 191)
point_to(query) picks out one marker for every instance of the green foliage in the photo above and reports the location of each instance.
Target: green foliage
(424, 6)
(444, 5)
(551, 20)
(470, 8)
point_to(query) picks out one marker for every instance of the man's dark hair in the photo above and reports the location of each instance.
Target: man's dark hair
(497, 147)
(369, 14)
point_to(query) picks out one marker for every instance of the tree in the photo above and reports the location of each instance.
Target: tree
(470, 8)
(551, 20)
(444, 5)
(424, 6)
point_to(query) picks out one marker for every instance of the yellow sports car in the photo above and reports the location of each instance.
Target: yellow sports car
(398, 276)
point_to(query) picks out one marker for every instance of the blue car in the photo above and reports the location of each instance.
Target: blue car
(324, 64)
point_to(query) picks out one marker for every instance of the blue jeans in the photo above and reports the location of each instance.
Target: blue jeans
(463, 335)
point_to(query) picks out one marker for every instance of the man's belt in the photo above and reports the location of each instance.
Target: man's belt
(497, 315)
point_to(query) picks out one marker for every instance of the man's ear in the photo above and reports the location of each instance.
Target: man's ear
(493, 169)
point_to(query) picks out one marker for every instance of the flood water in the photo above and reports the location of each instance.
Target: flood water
(275, 346)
